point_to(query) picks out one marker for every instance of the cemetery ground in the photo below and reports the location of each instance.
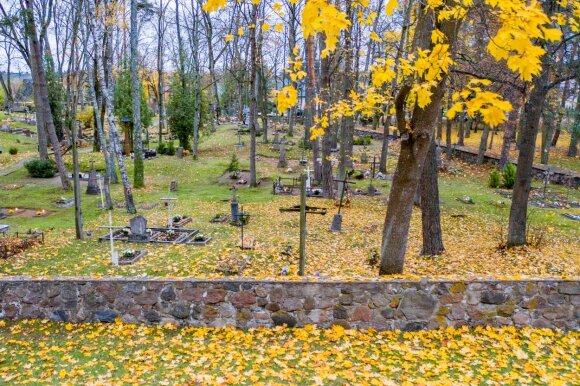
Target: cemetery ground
(43, 352)
(48, 352)
(472, 232)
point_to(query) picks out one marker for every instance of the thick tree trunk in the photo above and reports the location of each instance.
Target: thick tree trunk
(415, 145)
(529, 131)
(38, 68)
(138, 170)
(430, 213)
(40, 125)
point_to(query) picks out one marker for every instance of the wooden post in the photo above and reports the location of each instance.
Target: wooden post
(302, 224)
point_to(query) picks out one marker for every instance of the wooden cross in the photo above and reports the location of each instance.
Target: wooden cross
(242, 218)
(304, 210)
(344, 183)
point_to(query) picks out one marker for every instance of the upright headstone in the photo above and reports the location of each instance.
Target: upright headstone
(234, 205)
(179, 153)
(276, 141)
(395, 134)
(173, 186)
(364, 157)
(138, 227)
(282, 163)
(93, 185)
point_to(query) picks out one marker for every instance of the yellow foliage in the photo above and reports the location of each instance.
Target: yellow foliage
(287, 97)
(319, 16)
(214, 5)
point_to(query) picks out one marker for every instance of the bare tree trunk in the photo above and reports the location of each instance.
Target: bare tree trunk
(109, 167)
(430, 213)
(573, 148)
(448, 128)
(461, 131)
(483, 145)
(253, 96)
(509, 135)
(38, 68)
(160, 78)
(347, 122)
(326, 141)
(138, 171)
(106, 91)
(565, 93)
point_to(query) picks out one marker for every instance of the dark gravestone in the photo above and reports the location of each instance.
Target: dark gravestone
(276, 141)
(179, 152)
(93, 185)
(234, 205)
(173, 186)
(138, 229)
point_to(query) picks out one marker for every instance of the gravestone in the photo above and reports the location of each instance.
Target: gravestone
(276, 141)
(138, 227)
(179, 153)
(93, 184)
(395, 134)
(282, 163)
(173, 186)
(364, 158)
(5, 127)
(234, 205)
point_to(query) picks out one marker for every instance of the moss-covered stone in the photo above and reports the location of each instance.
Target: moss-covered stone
(457, 288)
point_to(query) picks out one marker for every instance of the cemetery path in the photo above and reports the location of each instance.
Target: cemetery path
(11, 169)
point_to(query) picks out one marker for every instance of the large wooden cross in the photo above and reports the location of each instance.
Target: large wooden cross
(304, 210)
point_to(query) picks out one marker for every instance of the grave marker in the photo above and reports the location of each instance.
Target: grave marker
(138, 227)
(336, 225)
(92, 185)
(304, 210)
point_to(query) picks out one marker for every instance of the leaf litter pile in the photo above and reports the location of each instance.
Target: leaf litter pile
(43, 352)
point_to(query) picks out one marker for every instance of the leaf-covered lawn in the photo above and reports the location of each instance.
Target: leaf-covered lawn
(42, 352)
(471, 233)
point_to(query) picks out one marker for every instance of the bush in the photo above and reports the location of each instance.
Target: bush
(509, 176)
(86, 117)
(13, 150)
(364, 140)
(494, 179)
(41, 168)
(170, 148)
(161, 148)
(234, 164)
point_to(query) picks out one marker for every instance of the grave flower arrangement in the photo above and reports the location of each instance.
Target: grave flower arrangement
(129, 253)
(177, 218)
(126, 231)
(199, 237)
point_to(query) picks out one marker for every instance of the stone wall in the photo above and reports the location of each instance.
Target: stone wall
(405, 305)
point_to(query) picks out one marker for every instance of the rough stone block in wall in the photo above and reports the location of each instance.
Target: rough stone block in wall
(403, 305)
